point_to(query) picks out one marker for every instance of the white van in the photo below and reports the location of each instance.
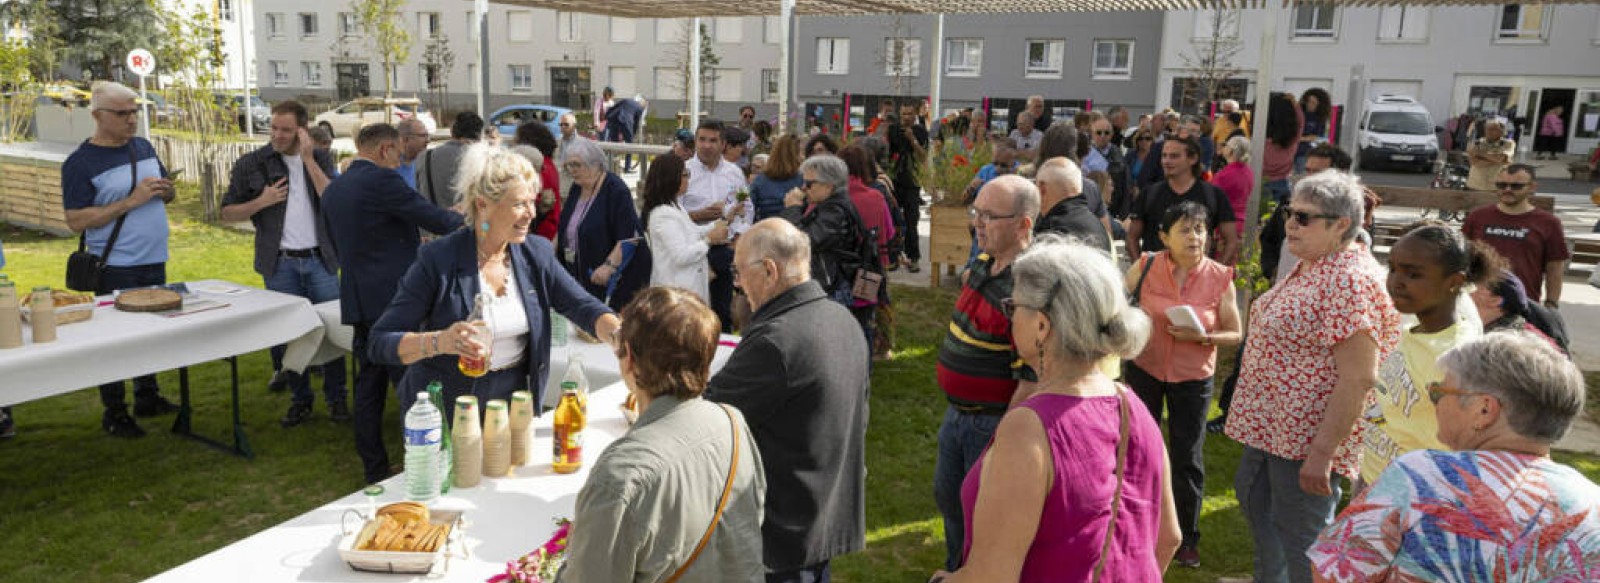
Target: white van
(1396, 130)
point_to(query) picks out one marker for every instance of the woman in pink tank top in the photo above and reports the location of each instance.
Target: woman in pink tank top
(1044, 503)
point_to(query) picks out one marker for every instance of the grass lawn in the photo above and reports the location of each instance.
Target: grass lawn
(79, 505)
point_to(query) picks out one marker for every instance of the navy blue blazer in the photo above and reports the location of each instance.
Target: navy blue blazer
(373, 217)
(611, 219)
(438, 290)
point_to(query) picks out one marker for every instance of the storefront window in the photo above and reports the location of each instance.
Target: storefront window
(1587, 120)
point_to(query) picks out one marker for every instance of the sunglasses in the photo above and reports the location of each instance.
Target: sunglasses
(1304, 218)
(1511, 185)
(1437, 392)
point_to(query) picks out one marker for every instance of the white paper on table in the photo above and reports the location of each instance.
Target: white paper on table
(1184, 316)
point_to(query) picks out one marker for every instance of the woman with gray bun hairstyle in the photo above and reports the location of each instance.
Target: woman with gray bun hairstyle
(1039, 503)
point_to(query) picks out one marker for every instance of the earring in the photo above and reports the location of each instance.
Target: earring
(484, 226)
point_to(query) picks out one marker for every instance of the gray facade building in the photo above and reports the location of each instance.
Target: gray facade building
(1104, 59)
(313, 50)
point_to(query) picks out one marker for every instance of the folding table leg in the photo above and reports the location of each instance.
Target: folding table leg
(183, 425)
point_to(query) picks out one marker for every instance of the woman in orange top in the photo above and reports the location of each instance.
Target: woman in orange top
(1177, 364)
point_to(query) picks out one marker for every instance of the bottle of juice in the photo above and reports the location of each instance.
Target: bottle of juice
(567, 442)
(477, 366)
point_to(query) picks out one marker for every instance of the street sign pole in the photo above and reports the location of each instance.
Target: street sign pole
(142, 63)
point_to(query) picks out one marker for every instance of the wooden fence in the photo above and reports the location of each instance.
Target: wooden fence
(205, 164)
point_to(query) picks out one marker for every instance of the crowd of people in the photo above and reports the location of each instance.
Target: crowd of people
(1435, 386)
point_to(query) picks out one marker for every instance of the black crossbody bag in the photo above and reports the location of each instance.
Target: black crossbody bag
(84, 269)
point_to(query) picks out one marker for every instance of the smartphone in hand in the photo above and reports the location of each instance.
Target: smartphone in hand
(173, 175)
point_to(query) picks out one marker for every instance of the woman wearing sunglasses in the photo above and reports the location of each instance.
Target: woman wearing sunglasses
(1178, 288)
(1310, 360)
(1496, 506)
(1429, 269)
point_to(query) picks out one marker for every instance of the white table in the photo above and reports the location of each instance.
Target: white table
(505, 517)
(331, 340)
(114, 345)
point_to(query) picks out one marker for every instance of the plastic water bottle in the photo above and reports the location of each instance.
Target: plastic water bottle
(558, 329)
(424, 431)
(575, 374)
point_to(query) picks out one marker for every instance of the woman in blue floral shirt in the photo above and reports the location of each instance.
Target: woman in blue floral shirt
(1495, 509)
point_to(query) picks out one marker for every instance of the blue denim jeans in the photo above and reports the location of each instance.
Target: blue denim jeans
(1279, 190)
(1284, 520)
(308, 278)
(963, 437)
(114, 396)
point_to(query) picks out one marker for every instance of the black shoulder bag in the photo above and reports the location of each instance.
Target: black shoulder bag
(84, 269)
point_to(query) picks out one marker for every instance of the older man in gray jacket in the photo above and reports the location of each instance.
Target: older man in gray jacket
(800, 376)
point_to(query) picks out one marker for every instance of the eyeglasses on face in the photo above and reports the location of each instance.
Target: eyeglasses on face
(1437, 391)
(809, 183)
(1102, 132)
(983, 216)
(1512, 186)
(1304, 218)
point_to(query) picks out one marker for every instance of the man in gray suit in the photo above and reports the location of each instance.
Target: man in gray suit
(800, 376)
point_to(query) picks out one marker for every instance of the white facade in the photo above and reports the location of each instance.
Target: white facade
(233, 18)
(535, 56)
(1453, 59)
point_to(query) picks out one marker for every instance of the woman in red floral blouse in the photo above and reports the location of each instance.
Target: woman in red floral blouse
(1310, 362)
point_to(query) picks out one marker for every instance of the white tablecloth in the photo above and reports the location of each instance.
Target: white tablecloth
(332, 340)
(115, 345)
(506, 517)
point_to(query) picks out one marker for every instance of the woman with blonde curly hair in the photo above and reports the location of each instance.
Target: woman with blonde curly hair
(495, 262)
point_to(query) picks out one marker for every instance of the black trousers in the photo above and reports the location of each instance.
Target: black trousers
(114, 395)
(721, 259)
(371, 395)
(1187, 404)
(1233, 377)
(910, 196)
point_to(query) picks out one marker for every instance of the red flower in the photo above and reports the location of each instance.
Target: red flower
(959, 161)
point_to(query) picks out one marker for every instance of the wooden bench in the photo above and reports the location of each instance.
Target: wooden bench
(1585, 248)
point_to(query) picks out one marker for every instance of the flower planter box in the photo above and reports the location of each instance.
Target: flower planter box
(949, 239)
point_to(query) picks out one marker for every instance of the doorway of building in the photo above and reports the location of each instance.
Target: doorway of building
(1550, 98)
(352, 81)
(569, 88)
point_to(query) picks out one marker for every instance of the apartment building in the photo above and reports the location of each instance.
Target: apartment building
(1516, 60)
(310, 49)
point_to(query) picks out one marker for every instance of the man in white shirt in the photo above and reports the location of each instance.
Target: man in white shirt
(713, 183)
(1026, 137)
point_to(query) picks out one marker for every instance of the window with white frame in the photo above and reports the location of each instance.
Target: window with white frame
(275, 24)
(225, 10)
(521, 78)
(348, 25)
(311, 73)
(428, 24)
(1218, 23)
(623, 30)
(669, 83)
(519, 26)
(569, 27)
(728, 29)
(1044, 58)
(1313, 21)
(428, 76)
(671, 30)
(472, 26)
(1403, 24)
(902, 57)
(833, 56)
(308, 24)
(769, 85)
(1523, 22)
(771, 29)
(280, 73)
(729, 85)
(624, 80)
(963, 57)
(1113, 59)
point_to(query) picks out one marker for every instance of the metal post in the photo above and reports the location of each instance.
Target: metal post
(480, 15)
(936, 91)
(694, 73)
(1258, 143)
(144, 110)
(785, 12)
(239, 14)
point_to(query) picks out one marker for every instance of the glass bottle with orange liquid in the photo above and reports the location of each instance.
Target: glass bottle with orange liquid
(567, 441)
(477, 366)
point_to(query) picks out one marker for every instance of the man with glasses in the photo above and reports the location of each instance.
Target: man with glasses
(279, 187)
(413, 142)
(115, 182)
(976, 367)
(1530, 238)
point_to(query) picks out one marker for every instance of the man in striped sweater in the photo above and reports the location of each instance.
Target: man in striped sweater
(979, 370)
